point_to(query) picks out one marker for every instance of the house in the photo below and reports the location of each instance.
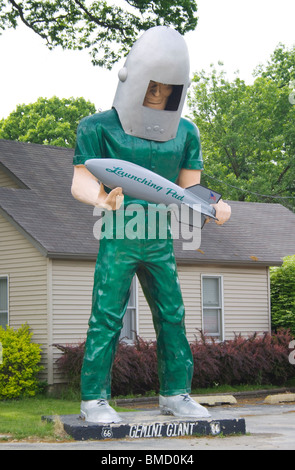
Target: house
(48, 253)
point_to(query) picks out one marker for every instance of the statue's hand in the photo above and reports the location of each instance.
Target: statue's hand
(111, 201)
(223, 212)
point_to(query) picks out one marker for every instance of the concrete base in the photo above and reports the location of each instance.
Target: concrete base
(148, 424)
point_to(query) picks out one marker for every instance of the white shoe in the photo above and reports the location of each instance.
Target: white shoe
(99, 411)
(182, 406)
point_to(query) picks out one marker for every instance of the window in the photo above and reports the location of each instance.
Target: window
(212, 306)
(129, 323)
(4, 301)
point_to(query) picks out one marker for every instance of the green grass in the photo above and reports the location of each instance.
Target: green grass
(21, 419)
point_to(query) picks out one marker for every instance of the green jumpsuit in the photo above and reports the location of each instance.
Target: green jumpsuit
(102, 136)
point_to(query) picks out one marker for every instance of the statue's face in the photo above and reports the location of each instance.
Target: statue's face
(157, 95)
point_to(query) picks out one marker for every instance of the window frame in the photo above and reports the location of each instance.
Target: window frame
(6, 277)
(219, 336)
(134, 285)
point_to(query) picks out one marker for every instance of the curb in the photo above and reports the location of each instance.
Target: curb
(280, 398)
(247, 394)
(215, 400)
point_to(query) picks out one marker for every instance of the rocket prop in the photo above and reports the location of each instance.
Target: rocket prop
(140, 183)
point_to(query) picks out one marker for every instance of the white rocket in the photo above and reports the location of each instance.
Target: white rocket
(140, 183)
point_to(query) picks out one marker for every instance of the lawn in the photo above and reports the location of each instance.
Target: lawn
(21, 419)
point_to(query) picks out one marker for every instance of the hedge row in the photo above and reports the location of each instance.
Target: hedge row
(258, 359)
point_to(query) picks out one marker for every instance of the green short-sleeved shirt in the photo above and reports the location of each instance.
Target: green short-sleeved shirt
(102, 136)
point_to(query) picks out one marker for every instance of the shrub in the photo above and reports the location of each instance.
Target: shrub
(253, 360)
(135, 368)
(20, 363)
(70, 363)
(283, 295)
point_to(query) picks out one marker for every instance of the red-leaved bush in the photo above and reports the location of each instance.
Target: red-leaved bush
(258, 359)
(253, 360)
(135, 368)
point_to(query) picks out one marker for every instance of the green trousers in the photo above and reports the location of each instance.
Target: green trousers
(154, 263)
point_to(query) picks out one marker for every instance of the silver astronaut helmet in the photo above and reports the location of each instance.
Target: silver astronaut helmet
(157, 63)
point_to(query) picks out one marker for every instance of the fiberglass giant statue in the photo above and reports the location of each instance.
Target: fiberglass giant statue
(144, 127)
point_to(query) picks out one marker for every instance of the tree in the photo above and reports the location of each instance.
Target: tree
(283, 295)
(281, 66)
(248, 135)
(51, 121)
(106, 30)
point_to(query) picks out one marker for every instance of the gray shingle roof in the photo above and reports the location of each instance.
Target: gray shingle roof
(60, 226)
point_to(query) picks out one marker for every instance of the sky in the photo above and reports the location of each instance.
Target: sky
(240, 34)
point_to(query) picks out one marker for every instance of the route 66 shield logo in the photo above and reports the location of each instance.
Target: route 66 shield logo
(215, 428)
(106, 433)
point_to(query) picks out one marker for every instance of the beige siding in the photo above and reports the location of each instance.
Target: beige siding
(6, 181)
(26, 269)
(245, 296)
(246, 303)
(71, 286)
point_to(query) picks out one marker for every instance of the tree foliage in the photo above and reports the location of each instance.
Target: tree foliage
(106, 30)
(281, 66)
(248, 131)
(283, 295)
(50, 121)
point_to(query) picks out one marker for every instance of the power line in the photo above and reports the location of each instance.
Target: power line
(247, 190)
